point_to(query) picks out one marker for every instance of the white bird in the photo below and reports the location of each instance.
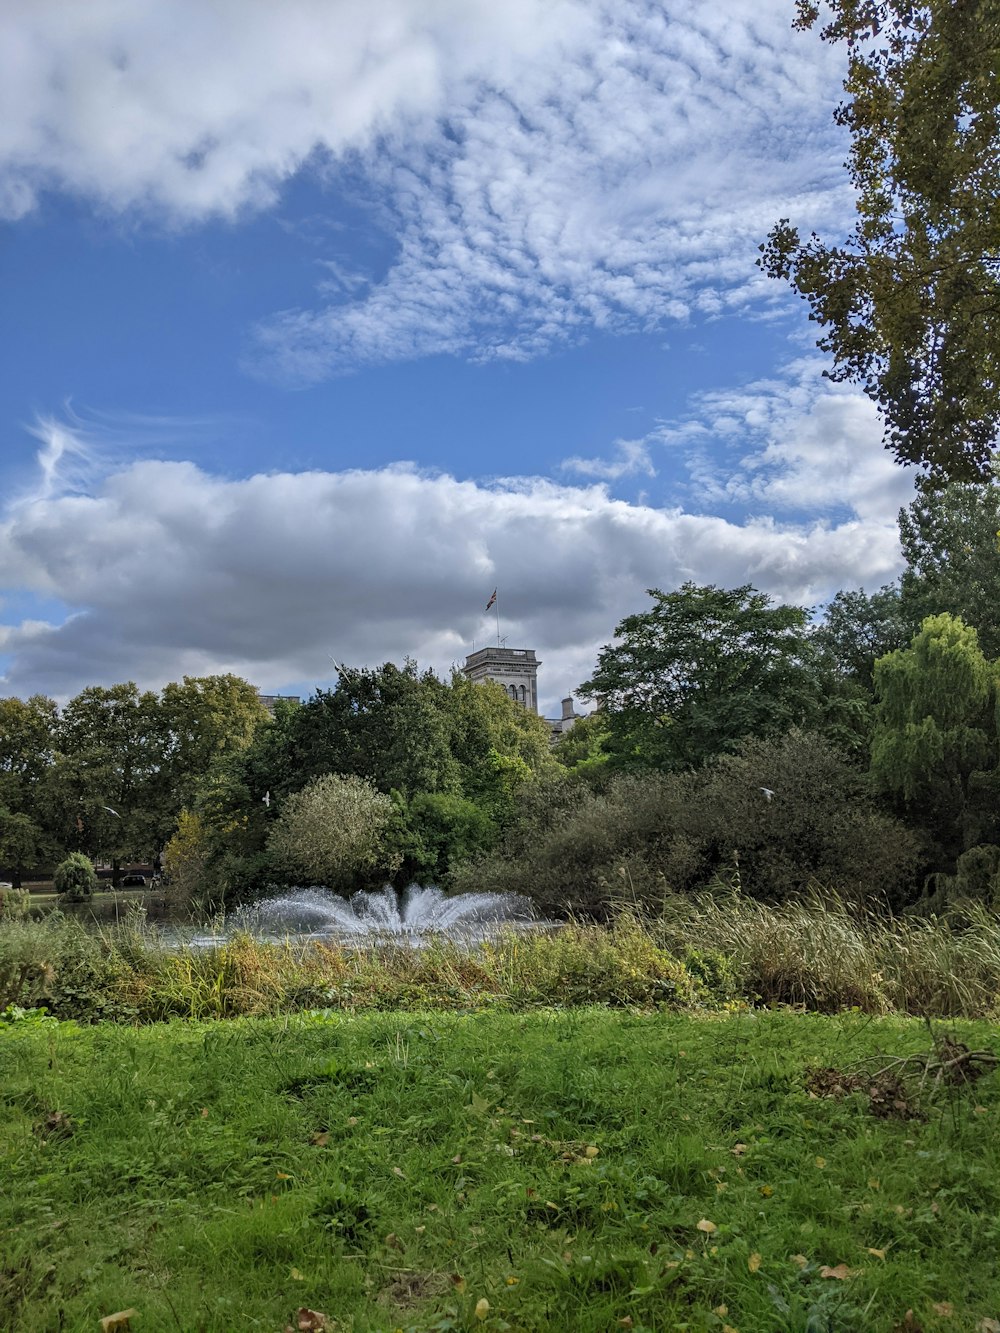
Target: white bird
(111, 812)
(767, 792)
(266, 798)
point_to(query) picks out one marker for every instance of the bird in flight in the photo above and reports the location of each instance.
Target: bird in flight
(266, 798)
(767, 792)
(111, 812)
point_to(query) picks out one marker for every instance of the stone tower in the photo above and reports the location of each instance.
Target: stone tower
(514, 669)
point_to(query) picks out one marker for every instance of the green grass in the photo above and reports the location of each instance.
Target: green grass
(395, 1170)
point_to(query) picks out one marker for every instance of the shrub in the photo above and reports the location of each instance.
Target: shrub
(75, 877)
(337, 831)
(14, 904)
(577, 851)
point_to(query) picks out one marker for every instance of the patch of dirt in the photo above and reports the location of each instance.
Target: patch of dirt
(410, 1289)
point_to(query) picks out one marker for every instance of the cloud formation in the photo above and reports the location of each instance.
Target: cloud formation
(546, 167)
(170, 570)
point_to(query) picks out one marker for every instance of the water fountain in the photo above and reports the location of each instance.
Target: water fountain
(407, 918)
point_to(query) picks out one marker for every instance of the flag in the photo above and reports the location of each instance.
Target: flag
(492, 599)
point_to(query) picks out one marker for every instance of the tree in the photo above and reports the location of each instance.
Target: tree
(936, 733)
(706, 666)
(22, 843)
(910, 306)
(859, 627)
(206, 719)
(27, 742)
(109, 782)
(75, 877)
(337, 831)
(949, 541)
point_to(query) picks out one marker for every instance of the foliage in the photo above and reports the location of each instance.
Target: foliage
(75, 877)
(22, 843)
(704, 667)
(14, 904)
(949, 541)
(207, 718)
(187, 860)
(909, 307)
(584, 748)
(443, 830)
(582, 851)
(336, 831)
(936, 730)
(404, 1170)
(859, 627)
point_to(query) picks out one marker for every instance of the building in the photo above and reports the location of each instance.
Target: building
(515, 670)
(271, 700)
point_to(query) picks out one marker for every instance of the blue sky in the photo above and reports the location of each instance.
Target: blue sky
(322, 320)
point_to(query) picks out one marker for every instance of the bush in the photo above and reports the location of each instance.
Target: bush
(75, 877)
(14, 904)
(338, 831)
(577, 851)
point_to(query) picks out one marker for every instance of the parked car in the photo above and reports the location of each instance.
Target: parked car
(133, 881)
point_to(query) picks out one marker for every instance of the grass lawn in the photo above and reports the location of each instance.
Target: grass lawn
(582, 1170)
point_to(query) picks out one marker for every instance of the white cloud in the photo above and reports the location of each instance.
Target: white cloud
(170, 570)
(631, 458)
(550, 166)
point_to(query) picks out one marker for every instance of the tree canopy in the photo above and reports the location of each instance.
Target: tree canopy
(698, 671)
(910, 305)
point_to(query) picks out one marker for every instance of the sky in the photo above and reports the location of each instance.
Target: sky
(322, 320)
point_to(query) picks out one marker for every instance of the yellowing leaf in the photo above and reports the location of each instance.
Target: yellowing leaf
(707, 1226)
(120, 1320)
(721, 1310)
(591, 1151)
(321, 1139)
(879, 1254)
(297, 1276)
(281, 1175)
(988, 1326)
(397, 1171)
(800, 1259)
(313, 1321)
(738, 1149)
(767, 1190)
(821, 1162)
(944, 1308)
(458, 1282)
(753, 1263)
(841, 1272)
(482, 1308)
(393, 1241)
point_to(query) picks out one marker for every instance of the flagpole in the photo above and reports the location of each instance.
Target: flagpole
(498, 621)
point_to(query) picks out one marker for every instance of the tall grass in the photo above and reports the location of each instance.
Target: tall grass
(823, 955)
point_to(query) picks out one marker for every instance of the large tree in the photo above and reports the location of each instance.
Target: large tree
(701, 669)
(910, 304)
(27, 741)
(949, 542)
(935, 742)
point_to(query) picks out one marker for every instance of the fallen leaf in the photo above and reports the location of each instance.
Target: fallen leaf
(753, 1263)
(394, 1243)
(944, 1308)
(204, 1113)
(980, 1110)
(281, 1175)
(721, 1310)
(879, 1254)
(313, 1321)
(420, 1230)
(707, 1226)
(456, 1159)
(297, 1276)
(626, 1322)
(119, 1320)
(396, 1171)
(767, 1190)
(591, 1151)
(988, 1326)
(321, 1139)
(800, 1259)
(910, 1324)
(738, 1149)
(512, 1281)
(821, 1162)
(458, 1282)
(482, 1308)
(841, 1272)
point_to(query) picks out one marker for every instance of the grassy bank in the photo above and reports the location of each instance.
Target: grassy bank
(583, 1170)
(706, 952)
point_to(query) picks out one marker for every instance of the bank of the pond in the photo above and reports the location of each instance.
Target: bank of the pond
(703, 952)
(582, 1170)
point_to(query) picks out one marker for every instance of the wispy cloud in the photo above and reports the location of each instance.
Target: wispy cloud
(630, 458)
(548, 167)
